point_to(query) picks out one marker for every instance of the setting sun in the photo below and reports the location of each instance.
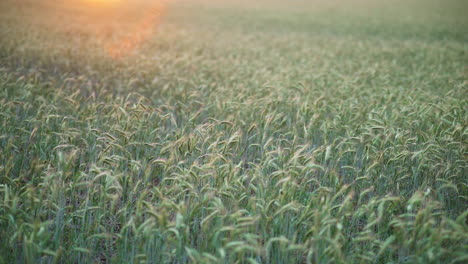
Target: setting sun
(121, 26)
(103, 2)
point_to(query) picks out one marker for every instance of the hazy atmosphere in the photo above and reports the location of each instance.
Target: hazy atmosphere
(224, 131)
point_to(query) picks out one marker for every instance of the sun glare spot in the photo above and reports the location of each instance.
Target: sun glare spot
(140, 33)
(102, 1)
(132, 22)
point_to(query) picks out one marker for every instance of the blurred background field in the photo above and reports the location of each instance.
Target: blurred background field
(197, 131)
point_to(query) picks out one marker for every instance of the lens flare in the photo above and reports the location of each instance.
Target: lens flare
(139, 34)
(102, 1)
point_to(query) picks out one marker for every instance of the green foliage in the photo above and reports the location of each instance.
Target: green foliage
(237, 133)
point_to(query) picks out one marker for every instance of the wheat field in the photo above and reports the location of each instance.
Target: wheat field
(197, 131)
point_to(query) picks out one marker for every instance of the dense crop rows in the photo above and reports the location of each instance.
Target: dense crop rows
(234, 133)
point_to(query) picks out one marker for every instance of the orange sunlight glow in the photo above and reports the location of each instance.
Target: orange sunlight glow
(135, 33)
(141, 32)
(102, 1)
